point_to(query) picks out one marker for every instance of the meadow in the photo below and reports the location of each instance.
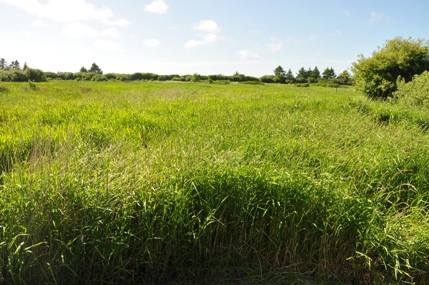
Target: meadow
(197, 183)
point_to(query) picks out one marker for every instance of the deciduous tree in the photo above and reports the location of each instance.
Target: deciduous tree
(399, 58)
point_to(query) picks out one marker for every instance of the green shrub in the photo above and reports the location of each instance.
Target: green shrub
(32, 85)
(17, 76)
(376, 76)
(415, 92)
(3, 88)
(252, 82)
(302, 85)
(99, 77)
(35, 75)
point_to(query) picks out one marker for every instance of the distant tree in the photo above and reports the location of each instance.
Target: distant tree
(17, 76)
(25, 66)
(279, 71)
(3, 64)
(110, 76)
(267, 79)
(136, 76)
(238, 77)
(315, 74)
(308, 73)
(279, 75)
(14, 65)
(35, 75)
(328, 73)
(95, 69)
(289, 76)
(399, 59)
(196, 77)
(344, 78)
(301, 76)
(83, 69)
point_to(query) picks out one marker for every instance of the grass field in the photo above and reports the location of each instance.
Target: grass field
(155, 183)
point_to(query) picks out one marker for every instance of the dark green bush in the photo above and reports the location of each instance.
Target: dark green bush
(35, 75)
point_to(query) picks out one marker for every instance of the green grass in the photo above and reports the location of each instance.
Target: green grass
(206, 183)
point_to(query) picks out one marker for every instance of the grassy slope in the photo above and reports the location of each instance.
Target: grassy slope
(132, 182)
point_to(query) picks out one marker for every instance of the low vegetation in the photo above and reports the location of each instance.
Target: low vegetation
(397, 61)
(150, 183)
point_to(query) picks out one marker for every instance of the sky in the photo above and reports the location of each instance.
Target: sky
(251, 37)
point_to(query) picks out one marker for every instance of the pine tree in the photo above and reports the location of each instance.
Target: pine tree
(94, 68)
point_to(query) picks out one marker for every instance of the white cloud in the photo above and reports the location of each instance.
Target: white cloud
(207, 26)
(107, 45)
(118, 23)
(151, 43)
(247, 54)
(376, 18)
(209, 34)
(275, 46)
(157, 7)
(39, 24)
(25, 32)
(78, 30)
(210, 38)
(62, 10)
(110, 32)
(193, 44)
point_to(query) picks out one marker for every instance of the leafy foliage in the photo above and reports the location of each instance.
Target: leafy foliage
(415, 92)
(376, 76)
(35, 75)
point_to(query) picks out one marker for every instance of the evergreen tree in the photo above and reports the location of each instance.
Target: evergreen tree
(289, 76)
(279, 75)
(301, 76)
(14, 65)
(94, 68)
(3, 63)
(279, 71)
(328, 73)
(315, 73)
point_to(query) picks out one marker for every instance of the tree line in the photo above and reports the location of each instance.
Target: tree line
(14, 73)
(13, 65)
(310, 75)
(378, 76)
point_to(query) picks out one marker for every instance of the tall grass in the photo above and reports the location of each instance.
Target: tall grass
(171, 182)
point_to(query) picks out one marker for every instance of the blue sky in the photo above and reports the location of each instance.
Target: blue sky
(198, 36)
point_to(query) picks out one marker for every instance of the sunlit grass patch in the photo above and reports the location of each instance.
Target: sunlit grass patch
(159, 182)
